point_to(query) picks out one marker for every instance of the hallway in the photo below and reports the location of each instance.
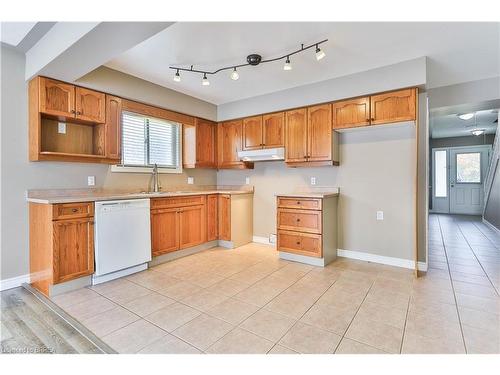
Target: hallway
(467, 252)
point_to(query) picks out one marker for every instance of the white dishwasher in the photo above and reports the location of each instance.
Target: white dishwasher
(122, 238)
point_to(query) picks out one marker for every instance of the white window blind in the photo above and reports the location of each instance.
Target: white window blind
(147, 141)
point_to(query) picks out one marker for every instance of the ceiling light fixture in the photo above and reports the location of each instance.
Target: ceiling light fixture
(477, 132)
(319, 53)
(288, 64)
(466, 116)
(234, 75)
(205, 81)
(177, 76)
(253, 60)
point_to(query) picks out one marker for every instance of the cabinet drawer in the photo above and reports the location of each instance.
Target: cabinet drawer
(299, 220)
(302, 203)
(72, 210)
(171, 202)
(300, 243)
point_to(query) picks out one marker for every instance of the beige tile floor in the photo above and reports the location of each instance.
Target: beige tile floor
(248, 301)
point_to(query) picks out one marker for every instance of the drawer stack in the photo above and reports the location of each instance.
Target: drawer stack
(307, 227)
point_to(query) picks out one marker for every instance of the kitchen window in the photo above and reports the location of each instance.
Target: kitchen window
(147, 141)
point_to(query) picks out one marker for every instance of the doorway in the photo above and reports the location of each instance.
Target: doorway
(458, 179)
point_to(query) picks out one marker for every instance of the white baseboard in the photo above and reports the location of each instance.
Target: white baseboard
(391, 261)
(491, 226)
(14, 282)
(262, 240)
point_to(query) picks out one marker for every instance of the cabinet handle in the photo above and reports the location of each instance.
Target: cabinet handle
(74, 210)
(78, 112)
(367, 120)
(72, 111)
(298, 202)
(298, 220)
(372, 119)
(297, 243)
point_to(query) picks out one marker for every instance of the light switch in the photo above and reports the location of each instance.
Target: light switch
(247, 180)
(380, 215)
(313, 180)
(61, 127)
(190, 180)
(90, 180)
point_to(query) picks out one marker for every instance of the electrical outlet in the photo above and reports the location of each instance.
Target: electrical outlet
(190, 180)
(313, 180)
(90, 180)
(61, 127)
(272, 238)
(380, 215)
(247, 180)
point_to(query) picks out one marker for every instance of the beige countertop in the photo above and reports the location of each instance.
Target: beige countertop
(51, 196)
(320, 192)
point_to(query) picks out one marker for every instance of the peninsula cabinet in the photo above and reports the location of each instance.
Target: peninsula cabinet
(61, 243)
(309, 140)
(200, 144)
(235, 219)
(264, 131)
(229, 142)
(385, 108)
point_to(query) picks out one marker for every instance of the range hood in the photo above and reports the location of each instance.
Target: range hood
(265, 154)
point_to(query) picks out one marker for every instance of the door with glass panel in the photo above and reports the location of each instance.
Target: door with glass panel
(440, 181)
(468, 167)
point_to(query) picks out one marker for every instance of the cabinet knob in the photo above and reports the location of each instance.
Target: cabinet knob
(373, 119)
(78, 112)
(72, 111)
(74, 210)
(298, 220)
(298, 202)
(297, 243)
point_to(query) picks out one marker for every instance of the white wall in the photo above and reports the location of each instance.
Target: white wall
(19, 175)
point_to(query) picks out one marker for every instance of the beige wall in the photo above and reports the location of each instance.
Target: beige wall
(376, 172)
(19, 175)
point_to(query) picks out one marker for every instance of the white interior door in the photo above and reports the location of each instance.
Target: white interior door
(468, 167)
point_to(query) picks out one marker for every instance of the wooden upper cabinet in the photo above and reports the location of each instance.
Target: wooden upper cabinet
(206, 142)
(393, 106)
(296, 135)
(113, 127)
(229, 143)
(90, 105)
(56, 98)
(73, 248)
(319, 133)
(273, 126)
(252, 133)
(192, 221)
(212, 217)
(351, 113)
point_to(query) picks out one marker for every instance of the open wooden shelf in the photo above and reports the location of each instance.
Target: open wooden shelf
(52, 153)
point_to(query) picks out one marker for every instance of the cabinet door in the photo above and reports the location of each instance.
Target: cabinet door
(252, 133)
(113, 140)
(57, 98)
(393, 106)
(73, 248)
(319, 133)
(300, 243)
(206, 132)
(164, 231)
(296, 135)
(273, 130)
(212, 217)
(90, 105)
(192, 226)
(229, 144)
(225, 217)
(351, 113)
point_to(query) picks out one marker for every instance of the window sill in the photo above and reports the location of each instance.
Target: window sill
(148, 170)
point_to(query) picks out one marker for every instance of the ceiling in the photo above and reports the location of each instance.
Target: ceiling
(457, 52)
(23, 35)
(444, 126)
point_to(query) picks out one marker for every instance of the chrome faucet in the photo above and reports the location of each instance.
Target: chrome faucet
(156, 180)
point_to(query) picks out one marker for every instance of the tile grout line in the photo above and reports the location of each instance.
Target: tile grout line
(406, 321)
(452, 285)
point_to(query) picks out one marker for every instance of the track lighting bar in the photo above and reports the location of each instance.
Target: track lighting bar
(253, 60)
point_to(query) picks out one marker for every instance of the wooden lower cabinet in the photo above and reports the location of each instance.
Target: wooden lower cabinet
(307, 227)
(61, 243)
(192, 223)
(224, 217)
(164, 231)
(212, 217)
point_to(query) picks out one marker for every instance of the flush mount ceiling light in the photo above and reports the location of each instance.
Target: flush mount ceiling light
(253, 60)
(477, 132)
(466, 116)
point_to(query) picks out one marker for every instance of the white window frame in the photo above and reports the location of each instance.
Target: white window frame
(142, 169)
